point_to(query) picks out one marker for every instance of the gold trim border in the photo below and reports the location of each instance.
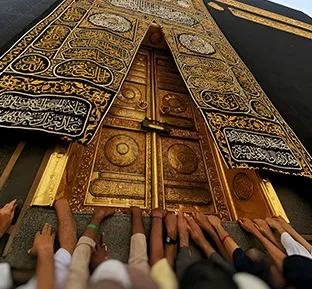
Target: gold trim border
(272, 198)
(271, 23)
(50, 181)
(268, 14)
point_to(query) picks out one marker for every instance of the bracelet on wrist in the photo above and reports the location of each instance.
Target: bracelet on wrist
(223, 239)
(94, 227)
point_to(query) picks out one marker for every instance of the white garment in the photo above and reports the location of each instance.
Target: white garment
(247, 281)
(112, 270)
(293, 247)
(6, 281)
(62, 261)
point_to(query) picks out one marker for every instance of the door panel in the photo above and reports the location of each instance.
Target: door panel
(120, 176)
(185, 184)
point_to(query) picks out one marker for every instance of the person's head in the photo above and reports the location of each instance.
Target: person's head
(297, 271)
(113, 274)
(206, 274)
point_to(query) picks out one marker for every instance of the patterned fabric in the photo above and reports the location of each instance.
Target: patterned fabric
(62, 76)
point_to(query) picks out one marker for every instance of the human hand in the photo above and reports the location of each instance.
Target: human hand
(43, 242)
(135, 211)
(6, 216)
(102, 212)
(214, 221)
(171, 223)
(183, 230)
(202, 221)
(248, 225)
(158, 213)
(262, 226)
(195, 231)
(99, 255)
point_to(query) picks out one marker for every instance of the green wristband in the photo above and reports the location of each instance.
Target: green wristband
(96, 228)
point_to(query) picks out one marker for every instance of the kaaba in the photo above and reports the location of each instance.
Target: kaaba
(187, 105)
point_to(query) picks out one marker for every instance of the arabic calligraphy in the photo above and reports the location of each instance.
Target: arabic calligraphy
(250, 146)
(156, 9)
(94, 54)
(32, 63)
(52, 38)
(73, 14)
(65, 115)
(85, 69)
(111, 21)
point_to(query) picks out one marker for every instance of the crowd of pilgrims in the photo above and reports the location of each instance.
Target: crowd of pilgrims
(164, 260)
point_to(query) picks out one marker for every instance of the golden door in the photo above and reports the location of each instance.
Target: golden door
(151, 147)
(154, 150)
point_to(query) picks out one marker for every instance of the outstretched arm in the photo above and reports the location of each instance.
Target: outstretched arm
(292, 232)
(6, 216)
(229, 244)
(266, 231)
(172, 232)
(198, 236)
(204, 223)
(79, 269)
(156, 237)
(67, 232)
(276, 254)
(44, 248)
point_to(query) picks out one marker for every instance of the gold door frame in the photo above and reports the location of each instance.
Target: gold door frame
(51, 184)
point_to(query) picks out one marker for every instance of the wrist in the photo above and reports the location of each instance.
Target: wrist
(96, 220)
(157, 220)
(45, 252)
(184, 243)
(205, 246)
(172, 235)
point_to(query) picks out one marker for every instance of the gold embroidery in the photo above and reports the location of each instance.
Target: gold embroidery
(215, 6)
(265, 13)
(52, 38)
(85, 69)
(271, 23)
(73, 14)
(31, 64)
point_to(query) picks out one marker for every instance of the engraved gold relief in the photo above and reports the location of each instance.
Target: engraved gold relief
(121, 150)
(182, 159)
(272, 199)
(129, 94)
(242, 186)
(51, 178)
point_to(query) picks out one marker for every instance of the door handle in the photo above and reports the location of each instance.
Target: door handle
(153, 125)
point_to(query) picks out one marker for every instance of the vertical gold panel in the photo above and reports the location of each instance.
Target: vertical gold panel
(51, 179)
